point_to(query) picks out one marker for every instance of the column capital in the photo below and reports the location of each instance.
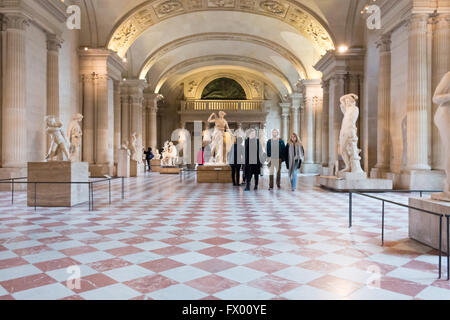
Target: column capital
(384, 43)
(441, 19)
(418, 21)
(54, 42)
(16, 20)
(285, 106)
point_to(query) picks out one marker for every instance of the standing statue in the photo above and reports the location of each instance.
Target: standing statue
(442, 121)
(218, 137)
(59, 146)
(169, 155)
(262, 139)
(348, 137)
(74, 133)
(157, 155)
(182, 146)
(136, 151)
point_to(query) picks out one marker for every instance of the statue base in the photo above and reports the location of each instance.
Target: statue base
(100, 170)
(169, 170)
(9, 173)
(136, 168)
(214, 174)
(60, 194)
(424, 227)
(156, 165)
(339, 184)
(352, 175)
(123, 164)
(442, 196)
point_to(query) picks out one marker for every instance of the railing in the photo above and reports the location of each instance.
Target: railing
(384, 201)
(223, 105)
(91, 184)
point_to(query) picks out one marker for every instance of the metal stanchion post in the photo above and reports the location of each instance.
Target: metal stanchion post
(350, 209)
(109, 181)
(35, 196)
(382, 224)
(12, 191)
(440, 246)
(92, 195)
(123, 188)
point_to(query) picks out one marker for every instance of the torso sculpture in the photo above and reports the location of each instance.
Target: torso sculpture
(442, 121)
(348, 137)
(74, 133)
(136, 154)
(59, 146)
(217, 144)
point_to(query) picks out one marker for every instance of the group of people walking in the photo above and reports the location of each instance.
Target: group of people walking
(250, 157)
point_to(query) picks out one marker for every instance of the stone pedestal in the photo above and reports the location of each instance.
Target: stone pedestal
(123, 164)
(136, 168)
(169, 170)
(424, 227)
(9, 173)
(352, 175)
(420, 179)
(214, 174)
(60, 194)
(156, 165)
(339, 184)
(100, 170)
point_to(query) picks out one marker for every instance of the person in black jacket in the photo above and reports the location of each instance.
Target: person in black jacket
(149, 156)
(236, 159)
(276, 150)
(253, 159)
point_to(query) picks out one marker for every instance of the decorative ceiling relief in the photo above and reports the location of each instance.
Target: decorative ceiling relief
(153, 12)
(221, 4)
(274, 7)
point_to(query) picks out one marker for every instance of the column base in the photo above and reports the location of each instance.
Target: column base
(379, 173)
(136, 169)
(325, 171)
(424, 227)
(100, 170)
(311, 168)
(418, 179)
(9, 173)
(338, 184)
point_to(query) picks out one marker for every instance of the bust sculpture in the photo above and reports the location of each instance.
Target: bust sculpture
(59, 146)
(74, 133)
(442, 121)
(218, 136)
(348, 137)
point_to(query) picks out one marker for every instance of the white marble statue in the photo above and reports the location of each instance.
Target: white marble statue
(182, 146)
(348, 137)
(218, 137)
(74, 133)
(59, 146)
(136, 151)
(169, 155)
(157, 155)
(442, 121)
(262, 139)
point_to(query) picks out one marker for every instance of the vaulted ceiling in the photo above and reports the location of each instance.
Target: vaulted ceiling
(164, 40)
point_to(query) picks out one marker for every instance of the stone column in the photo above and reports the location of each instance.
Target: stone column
(285, 107)
(417, 103)
(152, 109)
(325, 121)
(384, 107)
(14, 121)
(337, 84)
(441, 64)
(144, 125)
(312, 92)
(295, 113)
(125, 117)
(53, 46)
(117, 120)
(89, 117)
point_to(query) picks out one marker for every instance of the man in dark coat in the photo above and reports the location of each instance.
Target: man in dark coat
(253, 159)
(276, 150)
(149, 156)
(236, 159)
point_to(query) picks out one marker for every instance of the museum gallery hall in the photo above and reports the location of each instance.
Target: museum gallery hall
(224, 149)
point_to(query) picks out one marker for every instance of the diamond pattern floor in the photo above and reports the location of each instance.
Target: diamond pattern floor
(175, 239)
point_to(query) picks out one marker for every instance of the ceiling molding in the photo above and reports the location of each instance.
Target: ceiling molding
(150, 13)
(160, 52)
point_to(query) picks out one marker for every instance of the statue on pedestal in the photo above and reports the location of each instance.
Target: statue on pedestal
(348, 137)
(169, 155)
(442, 121)
(218, 136)
(136, 153)
(59, 146)
(74, 133)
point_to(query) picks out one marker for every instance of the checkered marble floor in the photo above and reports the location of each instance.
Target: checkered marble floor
(172, 238)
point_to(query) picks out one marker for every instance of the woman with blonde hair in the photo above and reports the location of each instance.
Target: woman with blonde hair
(294, 158)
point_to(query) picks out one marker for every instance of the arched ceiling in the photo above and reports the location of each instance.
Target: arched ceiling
(161, 39)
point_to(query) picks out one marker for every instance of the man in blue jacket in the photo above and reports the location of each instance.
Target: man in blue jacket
(276, 149)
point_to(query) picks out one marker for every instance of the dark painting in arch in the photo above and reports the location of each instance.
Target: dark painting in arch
(224, 89)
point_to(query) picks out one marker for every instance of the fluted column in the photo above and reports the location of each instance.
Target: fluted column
(53, 46)
(117, 120)
(14, 126)
(337, 89)
(417, 101)
(89, 117)
(384, 104)
(285, 107)
(295, 113)
(125, 117)
(325, 121)
(152, 110)
(441, 64)
(144, 125)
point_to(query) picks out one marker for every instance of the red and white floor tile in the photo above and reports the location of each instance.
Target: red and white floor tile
(172, 238)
